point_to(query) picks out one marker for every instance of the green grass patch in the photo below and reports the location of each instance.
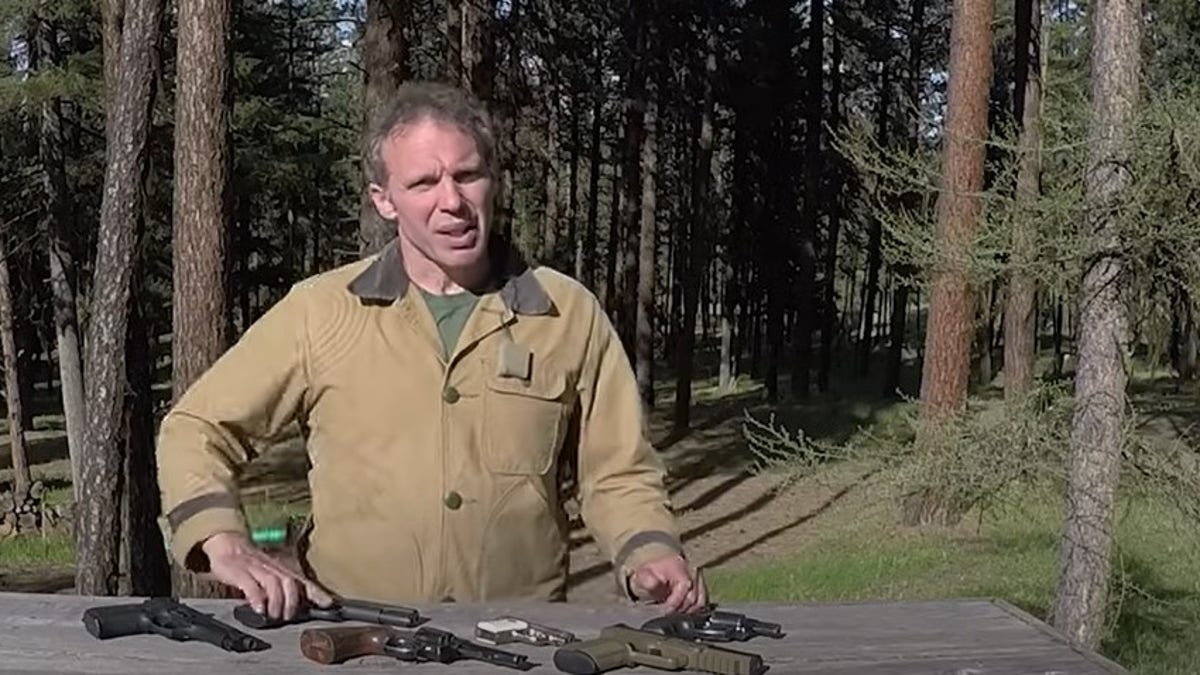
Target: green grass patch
(34, 551)
(1011, 554)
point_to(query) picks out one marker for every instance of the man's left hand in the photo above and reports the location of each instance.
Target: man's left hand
(671, 582)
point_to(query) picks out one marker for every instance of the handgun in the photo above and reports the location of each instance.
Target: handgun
(169, 618)
(508, 629)
(341, 610)
(621, 646)
(712, 626)
(342, 643)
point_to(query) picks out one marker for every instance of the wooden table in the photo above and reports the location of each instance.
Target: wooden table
(44, 634)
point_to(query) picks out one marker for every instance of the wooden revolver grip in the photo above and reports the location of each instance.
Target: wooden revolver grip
(342, 643)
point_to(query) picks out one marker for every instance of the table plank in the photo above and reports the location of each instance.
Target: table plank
(45, 634)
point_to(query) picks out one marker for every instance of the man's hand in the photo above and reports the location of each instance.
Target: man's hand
(672, 582)
(268, 585)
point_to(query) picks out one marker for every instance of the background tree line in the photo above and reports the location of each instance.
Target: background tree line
(916, 192)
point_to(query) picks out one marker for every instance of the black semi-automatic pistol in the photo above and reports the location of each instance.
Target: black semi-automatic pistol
(341, 610)
(169, 618)
(507, 629)
(712, 626)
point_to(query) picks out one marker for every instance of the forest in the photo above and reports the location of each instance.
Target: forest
(978, 221)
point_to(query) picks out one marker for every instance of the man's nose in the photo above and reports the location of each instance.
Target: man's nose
(449, 194)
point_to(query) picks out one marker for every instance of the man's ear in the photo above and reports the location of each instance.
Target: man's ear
(383, 203)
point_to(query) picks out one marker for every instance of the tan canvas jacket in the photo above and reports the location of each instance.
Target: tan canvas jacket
(431, 479)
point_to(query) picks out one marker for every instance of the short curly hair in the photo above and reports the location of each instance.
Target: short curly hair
(419, 101)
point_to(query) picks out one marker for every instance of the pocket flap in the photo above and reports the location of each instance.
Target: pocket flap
(546, 385)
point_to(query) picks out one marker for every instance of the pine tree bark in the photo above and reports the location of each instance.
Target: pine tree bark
(56, 227)
(813, 133)
(385, 54)
(866, 340)
(829, 316)
(1020, 312)
(912, 200)
(550, 219)
(948, 335)
(1185, 338)
(585, 263)
(692, 247)
(1100, 378)
(202, 208)
(149, 567)
(97, 527)
(647, 249)
(636, 40)
(12, 387)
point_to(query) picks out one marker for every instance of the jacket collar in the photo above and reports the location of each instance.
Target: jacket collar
(385, 280)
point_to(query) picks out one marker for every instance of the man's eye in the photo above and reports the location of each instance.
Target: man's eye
(468, 176)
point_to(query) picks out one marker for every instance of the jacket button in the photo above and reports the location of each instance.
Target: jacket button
(450, 395)
(453, 500)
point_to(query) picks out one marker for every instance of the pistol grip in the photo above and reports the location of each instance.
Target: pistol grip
(336, 645)
(104, 623)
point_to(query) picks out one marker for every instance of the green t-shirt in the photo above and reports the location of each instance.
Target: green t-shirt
(450, 313)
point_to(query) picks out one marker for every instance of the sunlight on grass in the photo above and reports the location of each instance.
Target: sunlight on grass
(35, 552)
(1013, 556)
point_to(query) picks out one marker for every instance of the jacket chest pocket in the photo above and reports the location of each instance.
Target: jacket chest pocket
(524, 422)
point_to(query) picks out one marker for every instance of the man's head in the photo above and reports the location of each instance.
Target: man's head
(432, 165)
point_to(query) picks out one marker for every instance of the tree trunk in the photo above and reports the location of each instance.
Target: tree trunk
(385, 53)
(572, 250)
(1020, 315)
(149, 567)
(647, 248)
(57, 226)
(948, 335)
(984, 336)
(202, 191)
(912, 200)
(550, 220)
(866, 340)
(814, 115)
(585, 262)
(829, 312)
(614, 243)
(474, 40)
(692, 248)
(113, 17)
(1100, 379)
(637, 40)
(12, 386)
(1185, 338)
(97, 528)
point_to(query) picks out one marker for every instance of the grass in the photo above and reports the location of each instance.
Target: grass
(1010, 554)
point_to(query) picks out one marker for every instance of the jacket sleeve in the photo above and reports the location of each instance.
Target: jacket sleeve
(222, 421)
(623, 499)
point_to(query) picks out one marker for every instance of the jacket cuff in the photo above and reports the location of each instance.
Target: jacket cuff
(640, 549)
(193, 521)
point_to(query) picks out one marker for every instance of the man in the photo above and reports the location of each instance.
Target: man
(443, 388)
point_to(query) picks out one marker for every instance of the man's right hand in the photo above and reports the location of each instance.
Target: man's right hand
(268, 585)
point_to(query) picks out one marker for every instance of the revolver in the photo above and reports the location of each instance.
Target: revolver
(507, 629)
(712, 626)
(343, 643)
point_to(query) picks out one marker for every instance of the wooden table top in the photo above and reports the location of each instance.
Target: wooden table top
(45, 634)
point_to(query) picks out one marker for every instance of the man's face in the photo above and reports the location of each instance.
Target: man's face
(438, 191)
